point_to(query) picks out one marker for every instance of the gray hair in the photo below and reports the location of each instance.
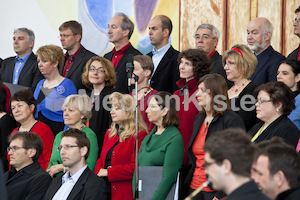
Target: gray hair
(82, 102)
(29, 32)
(268, 27)
(214, 31)
(126, 24)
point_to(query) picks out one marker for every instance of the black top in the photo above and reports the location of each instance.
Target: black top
(101, 118)
(249, 117)
(291, 194)
(248, 191)
(7, 125)
(281, 127)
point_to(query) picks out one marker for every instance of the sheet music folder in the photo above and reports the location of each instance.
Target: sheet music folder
(149, 179)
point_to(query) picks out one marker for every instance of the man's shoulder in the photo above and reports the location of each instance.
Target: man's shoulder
(133, 50)
(86, 52)
(275, 54)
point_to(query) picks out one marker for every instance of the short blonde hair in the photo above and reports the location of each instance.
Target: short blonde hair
(246, 64)
(110, 75)
(126, 103)
(82, 102)
(51, 53)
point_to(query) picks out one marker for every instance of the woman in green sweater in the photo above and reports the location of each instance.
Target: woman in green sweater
(164, 146)
(77, 111)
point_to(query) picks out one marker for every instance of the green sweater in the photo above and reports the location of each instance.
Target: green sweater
(162, 150)
(91, 160)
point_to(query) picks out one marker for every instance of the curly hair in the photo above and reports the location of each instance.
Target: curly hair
(201, 63)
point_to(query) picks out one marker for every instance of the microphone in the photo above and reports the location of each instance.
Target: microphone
(193, 194)
(129, 68)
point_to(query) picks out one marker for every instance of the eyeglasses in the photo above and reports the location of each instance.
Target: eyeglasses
(296, 20)
(66, 147)
(204, 37)
(261, 101)
(99, 70)
(65, 35)
(207, 164)
(14, 148)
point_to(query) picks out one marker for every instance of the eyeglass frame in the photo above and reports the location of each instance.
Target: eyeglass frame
(66, 147)
(261, 101)
(15, 148)
(93, 70)
(296, 20)
(65, 35)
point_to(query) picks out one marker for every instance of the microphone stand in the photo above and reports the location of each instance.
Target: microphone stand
(136, 78)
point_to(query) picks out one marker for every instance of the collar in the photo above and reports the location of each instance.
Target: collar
(211, 54)
(72, 57)
(190, 84)
(75, 177)
(123, 49)
(24, 59)
(259, 56)
(162, 50)
(294, 192)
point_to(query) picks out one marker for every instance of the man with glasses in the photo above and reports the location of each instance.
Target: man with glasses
(259, 35)
(26, 180)
(78, 182)
(295, 55)
(229, 155)
(76, 56)
(206, 39)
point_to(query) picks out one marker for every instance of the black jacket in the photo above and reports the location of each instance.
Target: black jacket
(88, 187)
(281, 127)
(30, 74)
(167, 72)
(29, 183)
(77, 68)
(122, 81)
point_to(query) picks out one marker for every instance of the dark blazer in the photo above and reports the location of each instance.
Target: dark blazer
(293, 55)
(229, 119)
(29, 76)
(88, 187)
(267, 66)
(167, 72)
(2, 184)
(31, 182)
(77, 67)
(122, 81)
(248, 191)
(281, 127)
(217, 67)
(291, 194)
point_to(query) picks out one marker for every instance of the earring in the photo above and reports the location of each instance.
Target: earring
(277, 110)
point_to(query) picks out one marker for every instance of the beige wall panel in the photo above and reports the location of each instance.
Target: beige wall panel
(196, 12)
(238, 21)
(290, 41)
(272, 10)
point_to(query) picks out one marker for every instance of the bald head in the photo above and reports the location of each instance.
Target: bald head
(259, 34)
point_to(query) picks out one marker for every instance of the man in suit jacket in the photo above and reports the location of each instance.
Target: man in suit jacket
(120, 29)
(206, 39)
(259, 40)
(277, 170)
(26, 180)
(79, 183)
(295, 55)
(229, 155)
(23, 68)
(76, 56)
(164, 56)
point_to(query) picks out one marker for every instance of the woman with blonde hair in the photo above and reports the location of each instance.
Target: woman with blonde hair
(100, 77)
(117, 160)
(51, 91)
(77, 111)
(239, 64)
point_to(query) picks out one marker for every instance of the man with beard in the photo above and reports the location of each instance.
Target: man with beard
(259, 40)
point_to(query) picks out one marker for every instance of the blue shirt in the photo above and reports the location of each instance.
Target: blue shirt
(158, 55)
(68, 183)
(20, 62)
